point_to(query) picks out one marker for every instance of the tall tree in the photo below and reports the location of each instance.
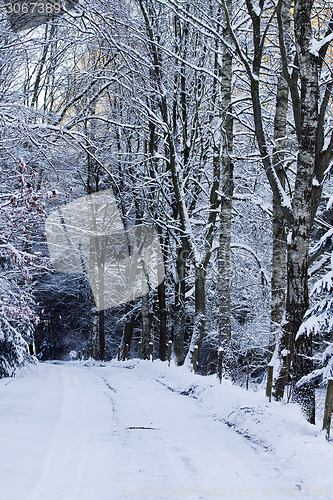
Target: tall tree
(311, 166)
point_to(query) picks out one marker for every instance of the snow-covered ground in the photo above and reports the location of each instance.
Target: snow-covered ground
(148, 431)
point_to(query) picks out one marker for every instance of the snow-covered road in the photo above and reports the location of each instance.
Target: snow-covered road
(70, 432)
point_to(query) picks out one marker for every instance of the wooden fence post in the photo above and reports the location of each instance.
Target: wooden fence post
(220, 357)
(83, 353)
(195, 358)
(140, 346)
(119, 353)
(126, 351)
(151, 349)
(269, 385)
(169, 351)
(328, 409)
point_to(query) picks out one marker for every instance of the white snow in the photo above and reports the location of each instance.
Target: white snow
(329, 203)
(316, 45)
(285, 352)
(256, 8)
(146, 430)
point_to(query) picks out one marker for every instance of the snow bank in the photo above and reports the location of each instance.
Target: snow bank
(299, 448)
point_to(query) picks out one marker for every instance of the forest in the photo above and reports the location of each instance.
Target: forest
(211, 122)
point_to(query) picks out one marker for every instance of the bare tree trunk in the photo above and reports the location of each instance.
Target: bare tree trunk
(49, 34)
(300, 351)
(163, 323)
(100, 256)
(94, 331)
(128, 330)
(200, 313)
(279, 255)
(227, 189)
(180, 312)
(145, 326)
(278, 280)
(101, 334)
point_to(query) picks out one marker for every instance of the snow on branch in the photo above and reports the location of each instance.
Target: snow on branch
(325, 244)
(317, 45)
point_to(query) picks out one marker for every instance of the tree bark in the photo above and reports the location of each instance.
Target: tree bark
(145, 326)
(200, 313)
(279, 255)
(180, 312)
(278, 280)
(101, 334)
(94, 332)
(128, 330)
(227, 189)
(300, 351)
(163, 322)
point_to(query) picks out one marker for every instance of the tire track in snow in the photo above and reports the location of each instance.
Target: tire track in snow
(66, 442)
